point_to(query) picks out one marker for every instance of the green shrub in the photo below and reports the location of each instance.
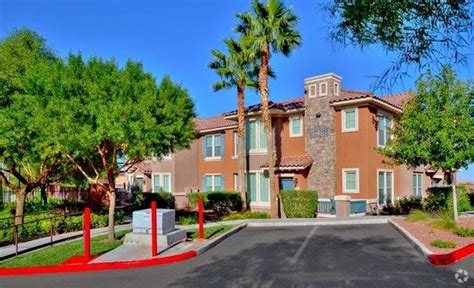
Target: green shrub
(187, 220)
(299, 203)
(223, 202)
(418, 216)
(405, 204)
(464, 232)
(444, 220)
(143, 200)
(245, 215)
(443, 244)
(440, 198)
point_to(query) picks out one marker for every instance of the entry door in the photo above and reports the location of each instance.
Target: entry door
(287, 183)
(385, 187)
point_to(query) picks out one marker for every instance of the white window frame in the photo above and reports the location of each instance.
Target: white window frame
(392, 188)
(257, 150)
(343, 116)
(385, 129)
(336, 88)
(236, 182)
(420, 183)
(213, 145)
(161, 174)
(315, 91)
(325, 83)
(344, 188)
(236, 144)
(259, 203)
(291, 126)
(213, 184)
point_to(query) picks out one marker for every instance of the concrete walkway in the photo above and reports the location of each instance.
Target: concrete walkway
(9, 251)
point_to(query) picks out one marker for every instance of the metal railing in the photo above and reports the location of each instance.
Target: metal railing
(327, 207)
(17, 229)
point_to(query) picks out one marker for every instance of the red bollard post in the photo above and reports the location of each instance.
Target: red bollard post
(154, 242)
(87, 232)
(201, 217)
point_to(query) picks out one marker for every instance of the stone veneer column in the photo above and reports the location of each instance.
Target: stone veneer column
(321, 132)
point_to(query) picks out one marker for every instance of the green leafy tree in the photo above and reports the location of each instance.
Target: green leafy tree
(436, 127)
(420, 32)
(105, 112)
(237, 69)
(269, 27)
(28, 69)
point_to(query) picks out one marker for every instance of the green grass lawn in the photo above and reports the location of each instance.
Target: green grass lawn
(60, 253)
(210, 232)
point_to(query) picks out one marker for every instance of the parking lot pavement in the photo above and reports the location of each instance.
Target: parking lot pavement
(324, 256)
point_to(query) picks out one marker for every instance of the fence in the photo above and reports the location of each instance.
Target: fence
(327, 206)
(358, 206)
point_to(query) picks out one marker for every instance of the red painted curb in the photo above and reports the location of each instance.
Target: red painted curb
(97, 266)
(450, 258)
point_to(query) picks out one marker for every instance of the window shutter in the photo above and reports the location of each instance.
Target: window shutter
(222, 183)
(222, 144)
(203, 184)
(203, 143)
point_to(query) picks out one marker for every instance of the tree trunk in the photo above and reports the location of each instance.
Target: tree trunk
(267, 121)
(455, 198)
(112, 196)
(20, 203)
(241, 153)
(44, 194)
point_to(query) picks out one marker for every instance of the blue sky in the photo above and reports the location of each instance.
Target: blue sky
(175, 37)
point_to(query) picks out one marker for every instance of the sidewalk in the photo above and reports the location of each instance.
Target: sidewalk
(9, 251)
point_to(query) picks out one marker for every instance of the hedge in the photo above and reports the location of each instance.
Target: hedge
(440, 198)
(143, 200)
(221, 202)
(299, 203)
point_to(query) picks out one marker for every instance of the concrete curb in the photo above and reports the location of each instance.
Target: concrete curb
(353, 221)
(420, 247)
(211, 244)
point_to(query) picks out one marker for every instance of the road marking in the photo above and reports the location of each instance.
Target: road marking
(303, 245)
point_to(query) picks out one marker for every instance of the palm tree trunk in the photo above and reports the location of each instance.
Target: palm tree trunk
(267, 122)
(241, 152)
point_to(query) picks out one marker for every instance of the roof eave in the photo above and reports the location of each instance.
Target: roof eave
(369, 100)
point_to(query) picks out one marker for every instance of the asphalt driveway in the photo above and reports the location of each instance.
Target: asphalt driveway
(310, 256)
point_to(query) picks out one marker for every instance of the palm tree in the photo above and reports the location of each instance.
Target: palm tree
(237, 69)
(271, 25)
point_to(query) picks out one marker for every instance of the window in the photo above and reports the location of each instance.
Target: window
(383, 126)
(213, 146)
(323, 89)
(350, 120)
(350, 180)
(236, 144)
(236, 182)
(213, 182)
(161, 182)
(336, 89)
(417, 184)
(258, 188)
(312, 90)
(385, 187)
(256, 140)
(296, 127)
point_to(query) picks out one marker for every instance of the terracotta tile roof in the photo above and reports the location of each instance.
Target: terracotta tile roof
(144, 167)
(213, 123)
(395, 100)
(398, 99)
(289, 162)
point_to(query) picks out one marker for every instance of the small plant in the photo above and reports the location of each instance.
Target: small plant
(406, 204)
(444, 220)
(418, 216)
(187, 220)
(245, 215)
(443, 244)
(464, 232)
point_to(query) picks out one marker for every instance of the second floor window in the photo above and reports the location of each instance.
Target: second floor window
(213, 146)
(256, 139)
(383, 126)
(350, 120)
(296, 128)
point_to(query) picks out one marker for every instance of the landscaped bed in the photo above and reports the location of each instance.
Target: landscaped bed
(426, 233)
(210, 232)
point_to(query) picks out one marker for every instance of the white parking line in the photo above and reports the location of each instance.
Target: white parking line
(294, 259)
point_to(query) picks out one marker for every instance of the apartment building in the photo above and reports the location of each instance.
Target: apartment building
(326, 140)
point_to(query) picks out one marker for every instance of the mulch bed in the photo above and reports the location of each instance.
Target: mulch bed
(425, 233)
